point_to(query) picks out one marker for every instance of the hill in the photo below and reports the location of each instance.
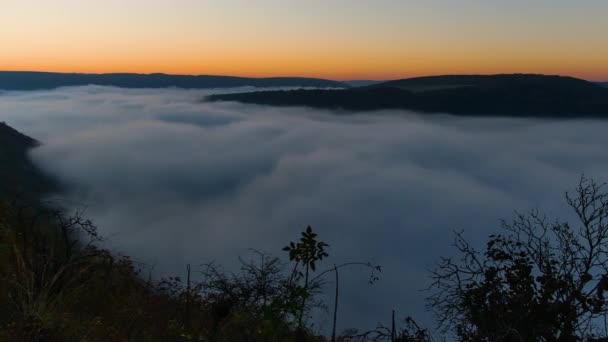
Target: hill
(18, 176)
(512, 95)
(362, 83)
(25, 80)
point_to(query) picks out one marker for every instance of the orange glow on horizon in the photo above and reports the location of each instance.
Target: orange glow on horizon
(335, 72)
(333, 39)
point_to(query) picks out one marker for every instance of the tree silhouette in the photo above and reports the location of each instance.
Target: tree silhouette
(540, 281)
(306, 253)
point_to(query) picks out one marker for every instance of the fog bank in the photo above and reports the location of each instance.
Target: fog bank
(172, 180)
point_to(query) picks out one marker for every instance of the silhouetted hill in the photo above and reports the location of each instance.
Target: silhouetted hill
(361, 83)
(18, 80)
(18, 175)
(513, 95)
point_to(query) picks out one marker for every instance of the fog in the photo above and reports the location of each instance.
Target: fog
(170, 180)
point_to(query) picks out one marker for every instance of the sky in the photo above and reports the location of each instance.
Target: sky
(338, 39)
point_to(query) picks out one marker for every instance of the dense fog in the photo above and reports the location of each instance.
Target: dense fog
(170, 180)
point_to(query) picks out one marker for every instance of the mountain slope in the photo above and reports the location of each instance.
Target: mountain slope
(512, 95)
(18, 175)
(18, 80)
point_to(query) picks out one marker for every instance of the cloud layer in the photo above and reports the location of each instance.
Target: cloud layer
(172, 180)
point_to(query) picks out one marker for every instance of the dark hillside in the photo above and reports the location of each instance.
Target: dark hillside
(508, 95)
(17, 173)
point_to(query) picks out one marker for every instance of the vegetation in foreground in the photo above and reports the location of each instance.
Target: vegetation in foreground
(539, 280)
(57, 285)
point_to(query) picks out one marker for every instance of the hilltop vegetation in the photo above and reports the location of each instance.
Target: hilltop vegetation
(21, 80)
(510, 95)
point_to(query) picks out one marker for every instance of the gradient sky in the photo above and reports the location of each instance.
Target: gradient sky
(340, 39)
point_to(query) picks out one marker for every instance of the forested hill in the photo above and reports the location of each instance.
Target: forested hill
(18, 175)
(510, 95)
(18, 80)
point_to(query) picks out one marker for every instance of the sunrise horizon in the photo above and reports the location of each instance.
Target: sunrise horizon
(296, 75)
(338, 40)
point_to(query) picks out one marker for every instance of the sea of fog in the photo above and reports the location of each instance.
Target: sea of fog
(172, 180)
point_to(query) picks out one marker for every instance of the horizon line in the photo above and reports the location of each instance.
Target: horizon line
(293, 76)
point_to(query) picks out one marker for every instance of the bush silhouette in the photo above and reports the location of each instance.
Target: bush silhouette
(539, 281)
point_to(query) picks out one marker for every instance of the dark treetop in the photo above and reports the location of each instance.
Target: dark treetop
(512, 95)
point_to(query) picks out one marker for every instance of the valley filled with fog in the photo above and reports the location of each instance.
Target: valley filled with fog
(172, 180)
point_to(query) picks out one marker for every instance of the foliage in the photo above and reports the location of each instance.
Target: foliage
(56, 284)
(305, 253)
(540, 281)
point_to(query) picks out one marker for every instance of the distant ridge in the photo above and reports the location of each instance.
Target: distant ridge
(362, 83)
(29, 80)
(505, 94)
